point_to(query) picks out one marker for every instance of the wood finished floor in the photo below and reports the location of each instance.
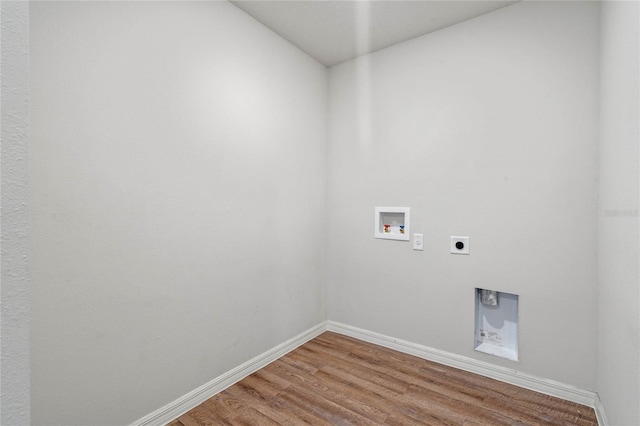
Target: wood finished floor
(336, 380)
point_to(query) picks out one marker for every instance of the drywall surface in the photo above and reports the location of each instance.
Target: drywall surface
(486, 129)
(14, 243)
(618, 375)
(178, 185)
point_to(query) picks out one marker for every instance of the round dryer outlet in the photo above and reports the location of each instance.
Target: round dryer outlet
(460, 245)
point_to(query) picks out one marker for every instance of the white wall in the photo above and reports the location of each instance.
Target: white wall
(618, 378)
(486, 129)
(14, 219)
(177, 149)
(178, 184)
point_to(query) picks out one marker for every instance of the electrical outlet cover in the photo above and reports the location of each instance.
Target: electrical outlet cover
(460, 245)
(418, 242)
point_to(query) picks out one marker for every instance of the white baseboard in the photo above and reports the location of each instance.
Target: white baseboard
(514, 377)
(196, 397)
(599, 409)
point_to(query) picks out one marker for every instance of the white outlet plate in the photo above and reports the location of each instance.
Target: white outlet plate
(459, 245)
(418, 241)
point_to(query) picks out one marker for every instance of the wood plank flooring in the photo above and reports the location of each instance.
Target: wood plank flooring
(337, 380)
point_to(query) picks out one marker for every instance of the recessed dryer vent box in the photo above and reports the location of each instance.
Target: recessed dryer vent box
(392, 223)
(497, 324)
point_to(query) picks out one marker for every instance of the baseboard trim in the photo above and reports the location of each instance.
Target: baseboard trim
(196, 397)
(514, 377)
(599, 409)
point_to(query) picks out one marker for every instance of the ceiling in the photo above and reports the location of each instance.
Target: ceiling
(334, 31)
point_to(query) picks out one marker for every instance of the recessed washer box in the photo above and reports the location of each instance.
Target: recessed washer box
(392, 223)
